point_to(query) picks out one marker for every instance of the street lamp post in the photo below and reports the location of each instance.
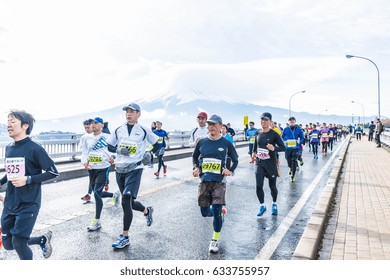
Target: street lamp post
(364, 121)
(379, 91)
(289, 102)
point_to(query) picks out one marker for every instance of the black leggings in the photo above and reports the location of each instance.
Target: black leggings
(314, 148)
(259, 186)
(99, 194)
(21, 245)
(160, 163)
(128, 204)
(216, 211)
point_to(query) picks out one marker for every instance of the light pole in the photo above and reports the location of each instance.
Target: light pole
(289, 102)
(364, 121)
(379, 90)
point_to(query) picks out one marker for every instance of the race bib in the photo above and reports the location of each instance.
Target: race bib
(263, 154)
(95, 158)
(291, 143)
(130, 146)
(324, 135)
(252, 140)
(212, 165)
(15, 167)
(314, 135)
(160, 140)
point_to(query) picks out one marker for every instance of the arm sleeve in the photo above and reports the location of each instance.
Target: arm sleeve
(195, 155)
(302, 137)
(255, 144)
(280, 145)
(50, 173)
(232, 153)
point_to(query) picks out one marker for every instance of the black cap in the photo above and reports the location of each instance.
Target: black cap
(266, 116)
(292, 119)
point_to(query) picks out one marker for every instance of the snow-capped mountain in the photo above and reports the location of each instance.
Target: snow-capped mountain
(177, 113)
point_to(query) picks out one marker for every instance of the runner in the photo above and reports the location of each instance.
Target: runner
(200, 131)
(293, 138)
(324, 134)
(267, 144)
(88, 130)
(231, 140)
(160, 150)
(250, 133)
(332, 134)
(209, 160)
(24, 161)
(130, 141)
(97, 160)
(314, 140)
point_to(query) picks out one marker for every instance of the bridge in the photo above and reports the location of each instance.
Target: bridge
(180, 233)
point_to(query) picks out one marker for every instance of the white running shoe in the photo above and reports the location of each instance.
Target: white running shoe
(213, 247)
(95, 225)
(115, 198)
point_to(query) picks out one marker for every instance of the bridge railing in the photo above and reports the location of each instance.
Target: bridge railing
(67, 146)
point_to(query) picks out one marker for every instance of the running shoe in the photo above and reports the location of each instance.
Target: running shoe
(121, 242)
(150, 165)
(149, 216)
(95, 225)
(289, 172)
(165, 169)
(292, 179)
(262, 211)
(115, 198)
(86, 197)
(274, 209)
(301, 162)
(46, 247)
(213, 247)
(106, 187)
(156, 174)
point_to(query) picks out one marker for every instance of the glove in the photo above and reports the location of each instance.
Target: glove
(146, 158)
(123, 152)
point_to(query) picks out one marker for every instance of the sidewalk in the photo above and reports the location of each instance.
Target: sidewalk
(359, 224)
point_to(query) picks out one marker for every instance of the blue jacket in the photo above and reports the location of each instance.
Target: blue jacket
(293, 134)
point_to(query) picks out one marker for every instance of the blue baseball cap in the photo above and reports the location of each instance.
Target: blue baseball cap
(215, 119)
(98, 120)
(132, 106)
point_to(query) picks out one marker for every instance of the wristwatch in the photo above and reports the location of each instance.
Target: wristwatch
(28, 181)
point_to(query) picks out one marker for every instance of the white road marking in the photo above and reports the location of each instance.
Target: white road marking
(273, 242)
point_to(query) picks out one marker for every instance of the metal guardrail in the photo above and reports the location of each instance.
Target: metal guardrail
(67, 146)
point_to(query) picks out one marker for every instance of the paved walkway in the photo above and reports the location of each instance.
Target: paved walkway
(359, 227)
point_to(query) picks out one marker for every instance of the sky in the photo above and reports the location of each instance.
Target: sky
(62, 58)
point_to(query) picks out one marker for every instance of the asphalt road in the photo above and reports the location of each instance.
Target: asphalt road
(179, 232)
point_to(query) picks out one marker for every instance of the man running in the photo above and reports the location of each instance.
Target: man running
(96, 159)
(199, 132)
(130, 141)
(314, 136)
(250, 133)
(293, 138)
(88, 130)
(160, 149)
(267, 144)
(209, 161)
(24, 161)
